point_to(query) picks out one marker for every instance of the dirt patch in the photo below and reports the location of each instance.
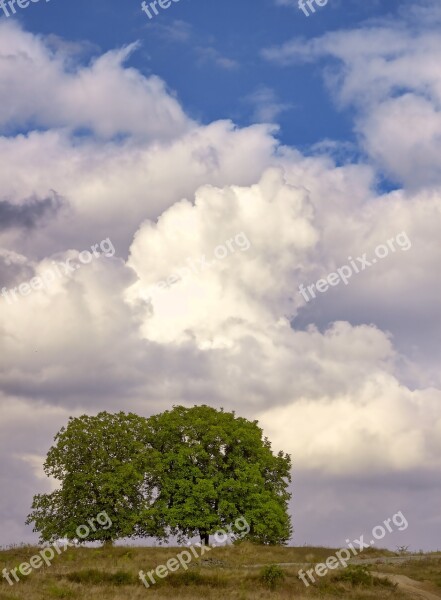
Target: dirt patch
(416, 588)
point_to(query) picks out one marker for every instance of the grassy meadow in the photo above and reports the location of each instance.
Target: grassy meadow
(236, 572)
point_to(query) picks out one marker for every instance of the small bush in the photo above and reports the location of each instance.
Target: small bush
(272, 576)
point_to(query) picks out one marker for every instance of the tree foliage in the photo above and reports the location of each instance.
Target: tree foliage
(215, 468)
(104, 463)
(184, 472)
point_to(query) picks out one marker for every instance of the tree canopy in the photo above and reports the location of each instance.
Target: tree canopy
(184, 472)
(104, 463)
(215, 468)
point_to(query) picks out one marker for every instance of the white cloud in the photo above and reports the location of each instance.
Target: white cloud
(111, 188)
(390, 74)
(266, 105)
(208, 54)
(248, 286)
(371, 431)
(105, 96)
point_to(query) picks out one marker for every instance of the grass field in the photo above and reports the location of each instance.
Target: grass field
(232, 572)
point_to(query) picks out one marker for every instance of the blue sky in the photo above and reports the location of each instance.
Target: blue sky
(183, 46)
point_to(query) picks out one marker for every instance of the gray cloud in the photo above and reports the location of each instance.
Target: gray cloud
(28, 214)
(328, 510)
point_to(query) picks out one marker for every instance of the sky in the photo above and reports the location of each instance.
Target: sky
(233, 204)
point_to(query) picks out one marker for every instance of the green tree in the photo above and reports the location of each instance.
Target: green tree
(216, 467)
(104, 464)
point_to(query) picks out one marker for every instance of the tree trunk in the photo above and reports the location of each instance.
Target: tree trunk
(205, 538)
(108, 544)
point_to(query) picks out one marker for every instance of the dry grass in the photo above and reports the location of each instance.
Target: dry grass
(427, 570)
(221, 574)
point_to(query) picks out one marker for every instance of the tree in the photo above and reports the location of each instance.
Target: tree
(183, 472)
(216, 467)
(104, 464)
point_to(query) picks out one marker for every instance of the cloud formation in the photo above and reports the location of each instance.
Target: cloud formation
(103, 96)
(27, 215)
(348, 384)
(390, 76)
